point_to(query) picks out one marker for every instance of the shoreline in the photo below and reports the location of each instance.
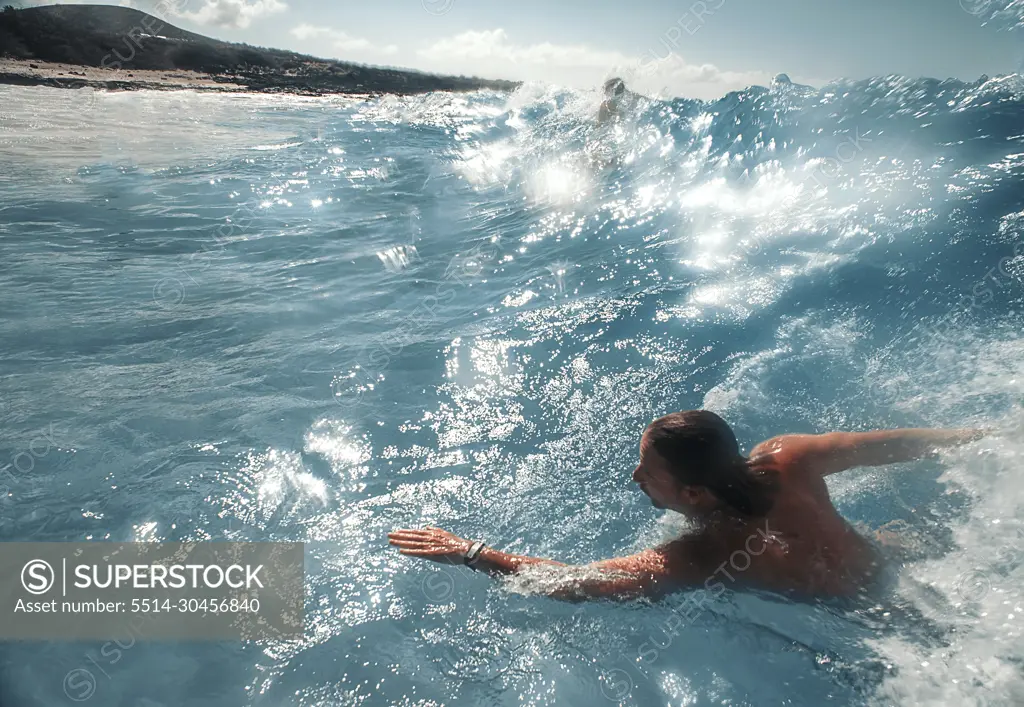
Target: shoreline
(31, 72)
(27, 72)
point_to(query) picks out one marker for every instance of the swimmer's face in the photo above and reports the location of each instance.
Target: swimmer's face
(662, 487)
(655, 479)
(614, 89)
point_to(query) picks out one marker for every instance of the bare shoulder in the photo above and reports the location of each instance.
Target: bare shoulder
(788, 453)
(782, 446)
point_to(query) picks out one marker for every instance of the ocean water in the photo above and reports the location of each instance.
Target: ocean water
(278, 318)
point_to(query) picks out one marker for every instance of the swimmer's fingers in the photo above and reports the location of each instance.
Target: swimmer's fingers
(424, 551)
(409, 538)
(435, 547)
(412, 544)
(407, 535)
(420, 542)
(434, 555)
(426, 532)
(411, 535)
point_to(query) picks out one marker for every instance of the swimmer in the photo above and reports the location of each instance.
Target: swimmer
(611, 107)
(763, 521)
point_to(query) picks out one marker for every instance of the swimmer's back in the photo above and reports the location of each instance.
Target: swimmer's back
(824, 554)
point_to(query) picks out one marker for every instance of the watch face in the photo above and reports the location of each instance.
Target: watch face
(473, 552)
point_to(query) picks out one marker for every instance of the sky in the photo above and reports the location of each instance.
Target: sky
(692, 48)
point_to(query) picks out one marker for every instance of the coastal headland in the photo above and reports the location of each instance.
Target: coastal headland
(121, 48)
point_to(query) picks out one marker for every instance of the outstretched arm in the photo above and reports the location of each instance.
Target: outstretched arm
(645, 573)
(837, 451)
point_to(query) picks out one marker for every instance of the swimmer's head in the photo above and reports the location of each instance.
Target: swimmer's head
(614, 88)
(690, 462)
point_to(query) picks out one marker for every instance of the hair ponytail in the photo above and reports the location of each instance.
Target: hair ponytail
(748, 491)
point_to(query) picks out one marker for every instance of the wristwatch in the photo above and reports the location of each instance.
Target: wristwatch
(472, 555)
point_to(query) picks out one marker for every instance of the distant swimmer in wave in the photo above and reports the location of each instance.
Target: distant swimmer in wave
(606, 148)
(762, 521)
(783, 84)
(613, 105)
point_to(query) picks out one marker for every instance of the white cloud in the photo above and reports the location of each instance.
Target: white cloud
(492, 54)
(340, 44)
(235, 14)
(494, 44)
(673, 74)
(309, 31)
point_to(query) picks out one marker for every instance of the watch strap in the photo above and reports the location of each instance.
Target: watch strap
(473, 553)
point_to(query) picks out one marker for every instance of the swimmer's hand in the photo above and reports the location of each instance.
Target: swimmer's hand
(431, 544)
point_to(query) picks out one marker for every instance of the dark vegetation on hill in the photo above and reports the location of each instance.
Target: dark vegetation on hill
(127, 39)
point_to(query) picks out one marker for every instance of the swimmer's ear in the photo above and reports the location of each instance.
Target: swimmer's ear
(696, 495)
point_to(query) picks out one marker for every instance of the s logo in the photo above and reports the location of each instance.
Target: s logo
(37, 577)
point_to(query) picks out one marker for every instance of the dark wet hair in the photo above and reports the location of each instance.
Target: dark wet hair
(701, 450)
(615, 86)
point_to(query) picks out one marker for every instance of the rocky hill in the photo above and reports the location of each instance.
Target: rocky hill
(123, 39)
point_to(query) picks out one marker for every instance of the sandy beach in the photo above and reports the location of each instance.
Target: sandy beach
(40, 73)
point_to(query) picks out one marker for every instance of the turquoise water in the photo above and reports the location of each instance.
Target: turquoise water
(276, 318)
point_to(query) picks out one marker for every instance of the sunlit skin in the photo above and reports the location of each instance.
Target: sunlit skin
(801, 546)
